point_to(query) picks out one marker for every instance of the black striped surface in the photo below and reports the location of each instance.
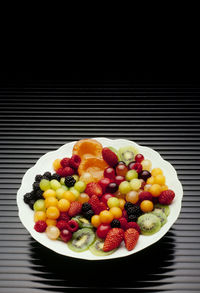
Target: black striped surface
(38, 119)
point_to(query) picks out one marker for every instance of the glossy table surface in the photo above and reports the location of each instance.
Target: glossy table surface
(42, 117)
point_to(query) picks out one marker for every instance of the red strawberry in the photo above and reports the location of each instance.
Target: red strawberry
(166, 197)
(67, 171)
(133, 225)
(113, 239)
(96, 205)
(110, 157)
(74, 162)
(131, 236)
(123, 223)
(65, 162)
(75, 208)
(94, 188)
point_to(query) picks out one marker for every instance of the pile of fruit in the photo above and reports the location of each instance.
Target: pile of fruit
(99, 198)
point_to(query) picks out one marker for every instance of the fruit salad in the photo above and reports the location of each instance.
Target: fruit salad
(100, 198)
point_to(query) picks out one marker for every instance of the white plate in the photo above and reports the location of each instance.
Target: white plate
(45, 164)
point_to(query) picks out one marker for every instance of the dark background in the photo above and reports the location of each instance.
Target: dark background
(153, 103)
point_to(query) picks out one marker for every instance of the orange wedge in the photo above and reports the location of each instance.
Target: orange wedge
(94, 166)
(86, 148)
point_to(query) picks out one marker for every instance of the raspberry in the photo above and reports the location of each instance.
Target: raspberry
(67, 171)
(60, 171)
(74, 162)
(65, 162)
(110, 157)
(166, 197)
(123, 223)
(64, 216)
(145, 195)
(72, 226)
(124, 214)
(133, 225)
(75, 208)
(40, 226)
(61, 225)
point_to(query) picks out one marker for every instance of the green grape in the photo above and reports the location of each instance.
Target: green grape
(39, 205)
(59, 192)
(76, 177)
(64, 187)
(75, 192)
(80, 186)
(131, 174)
(44, 184)
(124, 187)
(135, 184)
(113, 202)
(62, 181)
(55, 184)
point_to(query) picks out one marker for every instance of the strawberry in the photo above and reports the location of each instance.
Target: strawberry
(113, 239)
(65, 162)
(94, 188)
(110, 157)
(96, 205)
(166, 197)
(131, 236)
(75, 208)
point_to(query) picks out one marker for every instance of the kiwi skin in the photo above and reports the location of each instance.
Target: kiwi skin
(149, 224)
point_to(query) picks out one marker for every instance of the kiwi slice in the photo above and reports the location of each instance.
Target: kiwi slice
(114, 151)
(127, 154)
(149, 224)
(82, 222)
(81, 240)
(97, 248)
(159, 213)
(164, 208)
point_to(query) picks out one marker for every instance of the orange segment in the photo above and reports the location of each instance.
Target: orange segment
(94, 166)
(86, 148)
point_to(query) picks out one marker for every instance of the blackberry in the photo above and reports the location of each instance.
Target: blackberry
(134, 210)
(55, 176)
(132, 218)
(70, 181)
(36, 186)
(31, 203)
(39, 194)
(88, 215)
(115, 223)
(47, 175)
(27, 197)
(127, 205)
(38, 178)
(86, 206)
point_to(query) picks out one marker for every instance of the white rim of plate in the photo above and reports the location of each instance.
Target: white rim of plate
(44, 164)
